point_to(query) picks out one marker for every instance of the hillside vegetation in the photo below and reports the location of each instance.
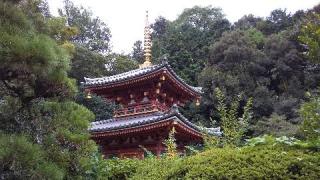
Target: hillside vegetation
(260, 77)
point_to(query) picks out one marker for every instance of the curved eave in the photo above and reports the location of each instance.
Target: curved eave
(99, 83)
(195, 90)
(175, 118)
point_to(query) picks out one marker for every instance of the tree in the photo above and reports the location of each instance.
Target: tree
(101, 108)
(234, 126)
(310, 36)
(309, 112)
(120, 63)
(93, 33)
(137, 52)
(288, 65)
(159, 27)
(31, 62)
(21, 159)
(159, 31)
(44, 8)
(171, 145)
(278, 20)
(86, 63)
(185, 41)
(276, 126)
(248, 22)
(43, 134)
(236, 66)
(256, 37)
(271, 69)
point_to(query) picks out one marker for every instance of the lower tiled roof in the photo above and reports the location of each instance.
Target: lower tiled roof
(136, 121)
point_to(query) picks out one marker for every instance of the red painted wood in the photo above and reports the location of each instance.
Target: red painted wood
(126, 142)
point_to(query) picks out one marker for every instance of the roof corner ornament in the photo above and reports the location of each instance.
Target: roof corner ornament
(174, 109)
(164, 59)
(88, 95)
(198, 102)
(147, 44)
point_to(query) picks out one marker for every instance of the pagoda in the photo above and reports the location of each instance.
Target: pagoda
(148, 100)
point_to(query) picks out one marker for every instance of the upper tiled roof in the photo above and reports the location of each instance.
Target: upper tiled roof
(119, 124)
(136, 73)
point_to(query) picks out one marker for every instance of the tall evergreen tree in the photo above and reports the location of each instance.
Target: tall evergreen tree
(186, 40)
(39, 122)
(94, 34)
(137, 52)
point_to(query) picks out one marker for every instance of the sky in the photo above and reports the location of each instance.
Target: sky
(126, 18)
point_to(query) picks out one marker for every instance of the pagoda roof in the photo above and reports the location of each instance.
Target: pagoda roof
(116, 124)
(93, 82)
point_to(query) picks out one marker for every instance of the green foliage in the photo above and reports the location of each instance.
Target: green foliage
(58, 30)
(271, 140)
(251, 162)
(68, 143)
(256, 36)
(93, 33)
(233, 58)
(277, 21)
(260, 57)
(211, 141)
(121, 169)
(185, 41)
(310, 145)
(45, 136)
(101, 108)
(264, 157)
(35, 89)
(248, 22)
(233, 125)
(171, 145)
(309, 112)
(21, 159)
(276, 75)
(120, 63)
(31, 62)
(86, 63)
(148, 154)
(310, 36)
(58, 129)
(275, 125)
(164, 168)
(137, 52)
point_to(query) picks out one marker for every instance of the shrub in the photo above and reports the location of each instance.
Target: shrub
(250, 162)
(165, 168)
(120, 168)
(309, 112)
(21, 159)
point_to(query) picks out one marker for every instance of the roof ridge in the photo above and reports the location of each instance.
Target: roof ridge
(138, 72)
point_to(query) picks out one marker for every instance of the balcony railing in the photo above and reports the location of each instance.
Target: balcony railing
(141, 108)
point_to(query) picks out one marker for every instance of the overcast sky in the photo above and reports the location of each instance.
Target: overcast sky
(125, 18)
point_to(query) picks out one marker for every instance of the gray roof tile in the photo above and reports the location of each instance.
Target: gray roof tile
(118, 124)
(135, 73)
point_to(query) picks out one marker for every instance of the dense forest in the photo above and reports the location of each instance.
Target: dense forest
(260, 78)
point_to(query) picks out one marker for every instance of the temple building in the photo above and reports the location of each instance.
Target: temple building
(148, 100)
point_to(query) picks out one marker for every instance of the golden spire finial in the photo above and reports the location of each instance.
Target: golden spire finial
(147, 44)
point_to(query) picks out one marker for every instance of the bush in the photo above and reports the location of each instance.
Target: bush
(266, 161)
(21, 159)
(120, 169)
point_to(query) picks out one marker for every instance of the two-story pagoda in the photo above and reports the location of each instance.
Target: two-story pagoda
(148, 98)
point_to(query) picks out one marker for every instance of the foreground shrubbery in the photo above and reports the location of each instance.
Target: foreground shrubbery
(264, 157)
(266, 160)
